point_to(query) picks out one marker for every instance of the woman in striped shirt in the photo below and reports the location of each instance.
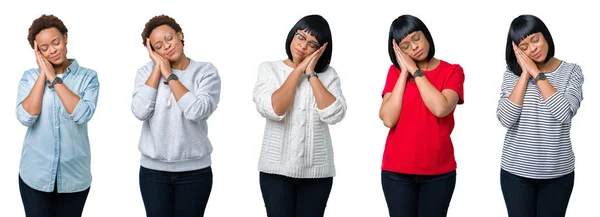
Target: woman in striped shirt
(540, 95)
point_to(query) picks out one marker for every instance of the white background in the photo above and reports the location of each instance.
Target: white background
(238, 35)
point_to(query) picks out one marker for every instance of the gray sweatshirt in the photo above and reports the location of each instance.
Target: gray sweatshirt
(174, 134)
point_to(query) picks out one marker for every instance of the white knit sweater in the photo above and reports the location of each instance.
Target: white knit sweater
(297, 144)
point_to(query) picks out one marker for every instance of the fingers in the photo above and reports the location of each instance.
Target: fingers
(35, 47)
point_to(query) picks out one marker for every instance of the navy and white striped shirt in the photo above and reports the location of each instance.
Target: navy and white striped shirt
(537, 144)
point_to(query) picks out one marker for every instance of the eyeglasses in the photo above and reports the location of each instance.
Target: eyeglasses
(415, 38)
(302, 39)
(168, 39)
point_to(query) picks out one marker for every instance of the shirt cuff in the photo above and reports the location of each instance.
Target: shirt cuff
(148, 93)
(329, 110)
(186, 100)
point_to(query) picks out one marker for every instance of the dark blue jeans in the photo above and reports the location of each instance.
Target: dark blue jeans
(526, 197)
(175, 194)
(418, 195)
(291, 197)
(52, 204)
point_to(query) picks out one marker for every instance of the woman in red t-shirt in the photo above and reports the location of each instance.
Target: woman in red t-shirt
(420, 94)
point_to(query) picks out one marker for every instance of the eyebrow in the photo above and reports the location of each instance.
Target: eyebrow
(303, 35)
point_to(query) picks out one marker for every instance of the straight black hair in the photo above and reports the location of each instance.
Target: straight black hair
(401, 27)
(318, 27)
(520, 28)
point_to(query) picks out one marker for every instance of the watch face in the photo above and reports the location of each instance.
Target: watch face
(419, 73)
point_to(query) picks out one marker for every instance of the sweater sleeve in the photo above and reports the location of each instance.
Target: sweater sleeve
(203, 101)
(564, 104)
(263, 91)
(144, 96)
(335, 112)
(508, 112)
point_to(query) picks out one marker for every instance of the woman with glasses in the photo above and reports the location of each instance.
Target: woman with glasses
(418, 171)
(299, 97)
(55, 102)
(174, 96)
(540, 96)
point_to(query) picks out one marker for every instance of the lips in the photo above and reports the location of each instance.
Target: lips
(56, 57)
(171, 52)
(299, 52)
(419, 53)
(537, 55)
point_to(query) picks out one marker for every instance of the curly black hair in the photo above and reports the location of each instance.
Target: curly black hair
(45, 22)
(159, 21)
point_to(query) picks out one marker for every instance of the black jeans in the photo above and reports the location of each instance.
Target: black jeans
(526, 197)
(51, 204)
(175, 194)
(291, 197)
(418, 195)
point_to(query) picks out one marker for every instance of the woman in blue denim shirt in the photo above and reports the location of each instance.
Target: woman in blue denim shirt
(55, 101)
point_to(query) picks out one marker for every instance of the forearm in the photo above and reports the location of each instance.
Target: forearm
(391, 105)
(546, 89)
(67, 97)
(283, 97)
(33, 102)
(434, 100)
(177, 89)
(154, 78)
(518, 93)
(322, 96)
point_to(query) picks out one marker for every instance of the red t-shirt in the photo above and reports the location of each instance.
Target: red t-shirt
(420, 143)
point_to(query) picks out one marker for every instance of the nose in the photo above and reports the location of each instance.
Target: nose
(533, 49)
(304, 45)
(414, 46)
(52, 49)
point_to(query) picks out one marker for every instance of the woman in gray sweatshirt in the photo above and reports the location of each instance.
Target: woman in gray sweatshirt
(174, 96)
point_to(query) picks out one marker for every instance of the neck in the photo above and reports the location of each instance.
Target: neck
(547, 66)
(426, 65)
(62, 68)
(181, 64)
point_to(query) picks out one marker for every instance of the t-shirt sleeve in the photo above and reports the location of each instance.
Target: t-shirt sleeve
(392, 78)
(455, 82)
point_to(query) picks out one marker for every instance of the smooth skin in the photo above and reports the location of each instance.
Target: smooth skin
(168, 53)
(304, 61)
(50, 52)
(439, 103)
(531, 53)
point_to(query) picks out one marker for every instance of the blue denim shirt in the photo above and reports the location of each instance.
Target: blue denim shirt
(56, 147)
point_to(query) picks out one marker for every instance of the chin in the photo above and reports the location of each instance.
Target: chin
(58, 62)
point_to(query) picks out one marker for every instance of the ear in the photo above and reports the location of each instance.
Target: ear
(180, 35)
(66, 37)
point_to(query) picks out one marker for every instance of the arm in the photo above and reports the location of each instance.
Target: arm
(283, 97)
(444, 102)
(81, 108)
(201, 103)
(264, 89)
(144, 95)
(331, 104)
(564, 105)
(391, 105)
(29, 98)
(511, 98)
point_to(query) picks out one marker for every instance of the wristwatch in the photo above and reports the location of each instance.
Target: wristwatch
(171, 77)
(418, 73)
(540, 77)
(313, 74)
(57, 80)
